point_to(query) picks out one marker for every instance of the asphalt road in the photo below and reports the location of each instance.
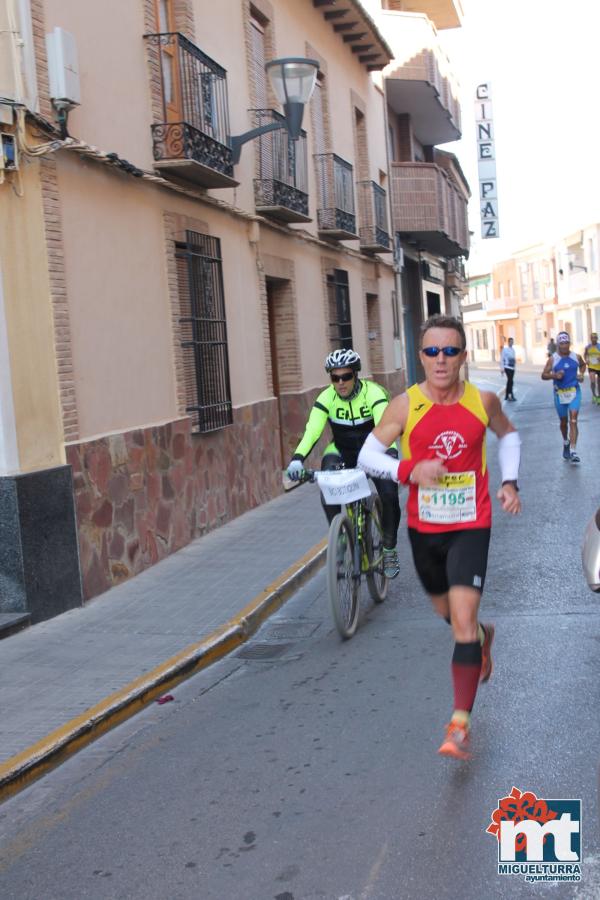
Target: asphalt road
(305, 768)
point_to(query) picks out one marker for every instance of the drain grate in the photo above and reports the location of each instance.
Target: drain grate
(288, 629)
(262, 650)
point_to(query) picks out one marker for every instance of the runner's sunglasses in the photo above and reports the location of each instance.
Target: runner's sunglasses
(447, 351)
(347, 376)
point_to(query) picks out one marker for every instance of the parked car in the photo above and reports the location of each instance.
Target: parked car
(590, 553)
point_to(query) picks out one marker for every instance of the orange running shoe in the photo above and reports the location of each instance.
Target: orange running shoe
(456, 743)
(486, 655)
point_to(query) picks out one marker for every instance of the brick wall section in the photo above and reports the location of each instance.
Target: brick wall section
(405, 141)
(374, 330)
(287, 338)
(183, 13)
(361, 148)
(38, 20)
(143, 494)
(327, 266)
(294, 411)
(264, 315)
(175, 226)
(184, 18)
(263, 9)
(58, 297)
(416, 193)
(311, 53)
(184, 23)
(153, 61)
(393, 382)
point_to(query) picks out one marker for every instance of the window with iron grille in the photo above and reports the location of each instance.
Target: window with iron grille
(203, 332)
(338, 296)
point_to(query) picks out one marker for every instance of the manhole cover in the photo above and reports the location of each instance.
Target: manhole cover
(286, 630)
(262, 651)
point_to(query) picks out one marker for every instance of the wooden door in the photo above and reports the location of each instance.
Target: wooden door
(169, 61)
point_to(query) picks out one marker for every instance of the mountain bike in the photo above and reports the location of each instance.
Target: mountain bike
(355, 543)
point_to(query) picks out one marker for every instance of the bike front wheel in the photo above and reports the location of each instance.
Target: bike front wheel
(377, 583)
(342, 585)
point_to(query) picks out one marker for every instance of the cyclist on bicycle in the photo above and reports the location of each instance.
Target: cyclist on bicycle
(353, 406)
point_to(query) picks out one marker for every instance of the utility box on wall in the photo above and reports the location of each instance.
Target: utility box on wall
(63, 68)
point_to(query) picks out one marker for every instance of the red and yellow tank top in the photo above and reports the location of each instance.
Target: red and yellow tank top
(456, 434)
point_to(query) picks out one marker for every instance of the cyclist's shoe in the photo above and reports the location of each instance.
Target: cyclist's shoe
(567, 451)
(575, 457)
(391, 564)
(457, 741)
(487, 665)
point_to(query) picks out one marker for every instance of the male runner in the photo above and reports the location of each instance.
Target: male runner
(591, 355)
(352, 406)
(566, 370)
(443, 423)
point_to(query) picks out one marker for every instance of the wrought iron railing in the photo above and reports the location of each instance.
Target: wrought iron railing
(282, 178)
(336, 194)
(372, 209)
(456, 267)
(195, 112)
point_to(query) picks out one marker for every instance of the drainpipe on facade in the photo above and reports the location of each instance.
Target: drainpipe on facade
(9, 452)
(397, 254)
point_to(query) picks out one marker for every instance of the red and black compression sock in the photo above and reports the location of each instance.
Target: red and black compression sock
(466, 668)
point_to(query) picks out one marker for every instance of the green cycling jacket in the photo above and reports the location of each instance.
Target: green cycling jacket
(351, 420)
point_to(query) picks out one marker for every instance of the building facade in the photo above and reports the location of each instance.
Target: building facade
(531, 296)
(578, 284)
(165, 309)
(429, 193)
(477, 309)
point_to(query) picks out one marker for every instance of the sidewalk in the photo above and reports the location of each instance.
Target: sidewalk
(67, 680)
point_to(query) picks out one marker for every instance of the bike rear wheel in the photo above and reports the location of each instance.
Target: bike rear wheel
(342, 585)
(377, 583)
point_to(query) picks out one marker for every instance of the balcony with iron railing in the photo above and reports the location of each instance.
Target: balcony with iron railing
(191, 138)
(372, 217)
(281, 183)
(428, 209)
(419, 81)
(336, 216)
(455, 273)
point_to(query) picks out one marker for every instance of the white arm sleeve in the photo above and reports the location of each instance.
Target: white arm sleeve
(374, 460)
(509, 455)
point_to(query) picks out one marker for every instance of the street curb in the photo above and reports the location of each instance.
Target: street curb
(25, 767)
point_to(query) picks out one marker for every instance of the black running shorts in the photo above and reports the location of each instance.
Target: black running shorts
(450, 558)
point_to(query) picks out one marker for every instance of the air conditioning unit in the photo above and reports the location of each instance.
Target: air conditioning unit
(63, 68)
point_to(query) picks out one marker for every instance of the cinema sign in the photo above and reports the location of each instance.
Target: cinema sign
(486, 161)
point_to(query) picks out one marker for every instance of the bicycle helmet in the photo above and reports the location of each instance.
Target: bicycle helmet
(341, 359)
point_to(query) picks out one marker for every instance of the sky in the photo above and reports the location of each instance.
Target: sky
(541, 59)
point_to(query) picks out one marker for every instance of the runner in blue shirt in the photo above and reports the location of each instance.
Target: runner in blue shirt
(566, 369)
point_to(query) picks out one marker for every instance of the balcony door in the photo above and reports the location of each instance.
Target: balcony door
(169, 60)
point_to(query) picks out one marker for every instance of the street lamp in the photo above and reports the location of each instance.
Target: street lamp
(293, 80)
